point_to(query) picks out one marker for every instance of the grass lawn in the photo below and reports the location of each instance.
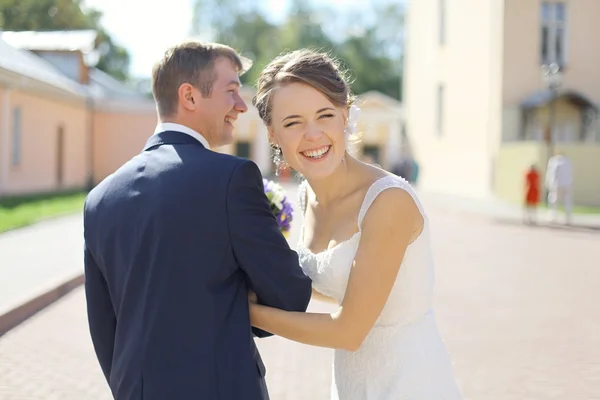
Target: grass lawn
(586, 210)
(16, 212)
(577, 209)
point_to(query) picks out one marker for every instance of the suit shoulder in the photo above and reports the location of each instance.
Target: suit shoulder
(233, 163)
(227, 158)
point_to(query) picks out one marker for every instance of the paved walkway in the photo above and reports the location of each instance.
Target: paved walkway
(39, 257)
(496, 208)
(514, 305)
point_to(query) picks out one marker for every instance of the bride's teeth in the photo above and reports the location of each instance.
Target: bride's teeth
(316, 153)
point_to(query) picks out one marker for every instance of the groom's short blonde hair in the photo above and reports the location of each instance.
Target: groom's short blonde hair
(189, 62)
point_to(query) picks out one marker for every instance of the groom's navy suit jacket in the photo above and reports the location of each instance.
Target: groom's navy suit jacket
(174, 239)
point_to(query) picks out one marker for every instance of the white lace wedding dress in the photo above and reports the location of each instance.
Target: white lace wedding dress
(403, 356)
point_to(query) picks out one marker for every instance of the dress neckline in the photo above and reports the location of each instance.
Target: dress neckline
(351, 238)
(338, 245)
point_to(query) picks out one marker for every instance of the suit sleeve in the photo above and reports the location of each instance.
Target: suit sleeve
(260, 248)
(101, 316)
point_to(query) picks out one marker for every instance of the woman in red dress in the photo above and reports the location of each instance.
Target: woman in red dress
(532, 194)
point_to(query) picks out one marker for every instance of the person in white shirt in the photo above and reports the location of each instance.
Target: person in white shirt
(559, 181)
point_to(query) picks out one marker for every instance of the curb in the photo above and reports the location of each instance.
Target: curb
(16, 316)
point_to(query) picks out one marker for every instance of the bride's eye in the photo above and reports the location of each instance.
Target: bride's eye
(327, 116)
(290, 124)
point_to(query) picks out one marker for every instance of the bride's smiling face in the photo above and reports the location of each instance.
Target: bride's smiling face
(309, 129)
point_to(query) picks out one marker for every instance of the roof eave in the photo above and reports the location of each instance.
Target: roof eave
(14, 80)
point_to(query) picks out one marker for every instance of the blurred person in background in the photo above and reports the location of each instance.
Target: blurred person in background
(559, 181)
(532, 194)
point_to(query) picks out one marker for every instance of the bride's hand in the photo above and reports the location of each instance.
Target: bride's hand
(252, 298)
(252, 305)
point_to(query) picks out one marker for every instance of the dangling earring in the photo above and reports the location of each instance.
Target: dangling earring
(277, 159)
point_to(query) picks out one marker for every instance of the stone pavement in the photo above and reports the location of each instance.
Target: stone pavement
(36, 259)
(496, 208)
(517, 310)
(50, 357)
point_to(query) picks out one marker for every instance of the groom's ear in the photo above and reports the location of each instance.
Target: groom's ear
(186, 96)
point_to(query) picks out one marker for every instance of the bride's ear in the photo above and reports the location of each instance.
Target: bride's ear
(345, 118)
(272, 138)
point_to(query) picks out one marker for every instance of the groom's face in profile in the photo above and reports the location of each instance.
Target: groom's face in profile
(217, 113)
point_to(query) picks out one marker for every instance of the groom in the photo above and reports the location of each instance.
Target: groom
(176, 238)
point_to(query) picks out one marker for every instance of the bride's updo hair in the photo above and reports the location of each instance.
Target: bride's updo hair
(309, 67)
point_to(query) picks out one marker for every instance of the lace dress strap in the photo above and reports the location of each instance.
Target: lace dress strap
(302, 202)
(303, 196)
(379, 186)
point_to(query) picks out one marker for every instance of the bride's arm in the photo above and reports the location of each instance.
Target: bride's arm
(321, 297)
(391, 223)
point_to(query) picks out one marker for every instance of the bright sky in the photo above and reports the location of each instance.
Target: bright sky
(147, 28)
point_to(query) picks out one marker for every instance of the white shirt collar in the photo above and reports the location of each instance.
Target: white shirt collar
(170, 126)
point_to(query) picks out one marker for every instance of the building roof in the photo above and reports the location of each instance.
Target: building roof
(542, 97)
(73, 40)
(103, 85)
(380, 98)
(29, 65)
(16, 56)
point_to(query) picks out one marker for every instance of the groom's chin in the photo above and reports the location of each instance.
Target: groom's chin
(226, 136)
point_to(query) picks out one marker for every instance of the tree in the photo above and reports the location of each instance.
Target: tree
(115, 59)
(49, 15)
(371, 50)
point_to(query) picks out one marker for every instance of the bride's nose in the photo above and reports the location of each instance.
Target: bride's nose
(313, 133)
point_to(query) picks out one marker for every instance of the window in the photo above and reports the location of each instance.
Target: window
(553, 35)
(440, 110)
(16, 137)
(242, 149)
(60, 155)
(442, 22)
(371, 153)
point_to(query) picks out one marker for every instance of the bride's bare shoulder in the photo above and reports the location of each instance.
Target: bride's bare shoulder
(373, 173)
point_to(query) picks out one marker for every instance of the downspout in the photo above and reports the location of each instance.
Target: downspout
(4, 134)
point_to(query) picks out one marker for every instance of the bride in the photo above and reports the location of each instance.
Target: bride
(364, 243)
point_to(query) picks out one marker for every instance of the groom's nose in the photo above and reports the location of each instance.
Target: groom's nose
(240, 104)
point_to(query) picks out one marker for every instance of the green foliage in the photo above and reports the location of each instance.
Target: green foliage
(50, 15)
(371, 50)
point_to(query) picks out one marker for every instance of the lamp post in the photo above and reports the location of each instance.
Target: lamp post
(552, 76)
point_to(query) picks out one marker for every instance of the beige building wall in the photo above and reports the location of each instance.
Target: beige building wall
(4, 128)
(118, 136)
(488, 63)
(522, 59)
(522, 77)
(521, 64)
(515, 157)
(456, 152)
(53, 143)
